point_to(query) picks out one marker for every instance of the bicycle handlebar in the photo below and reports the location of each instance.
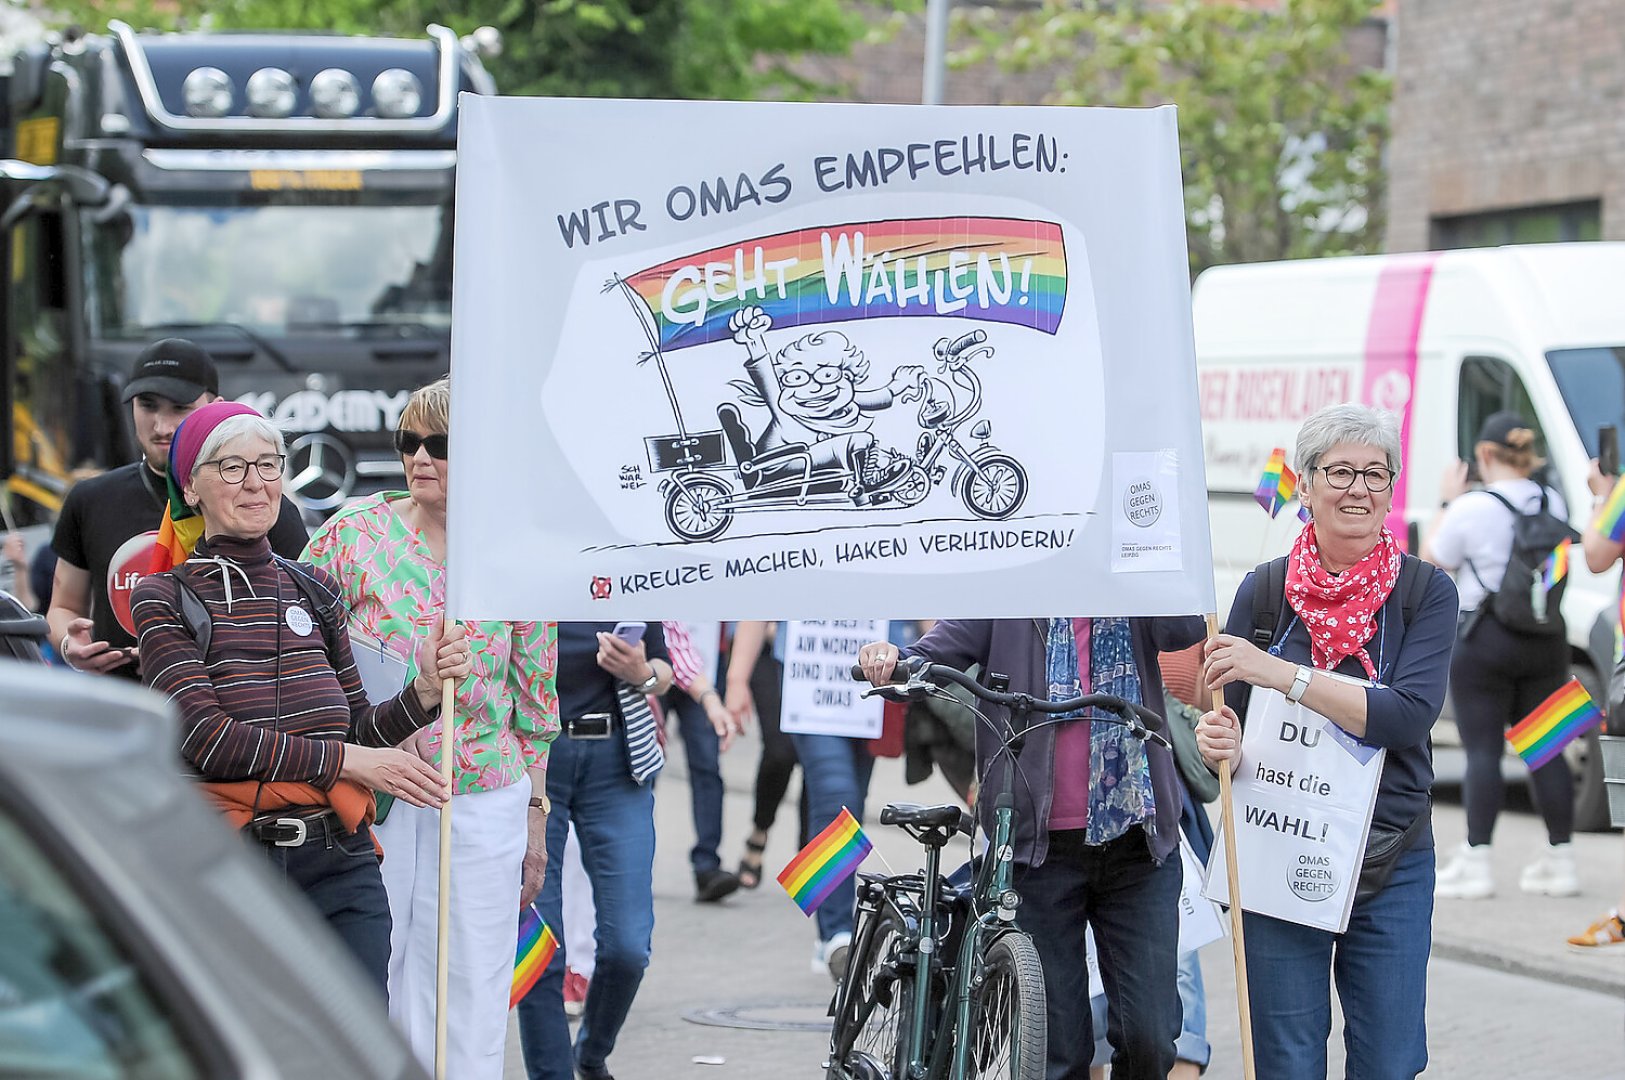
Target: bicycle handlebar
(918, 673)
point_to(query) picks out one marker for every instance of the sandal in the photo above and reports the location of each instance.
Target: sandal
(750, 867)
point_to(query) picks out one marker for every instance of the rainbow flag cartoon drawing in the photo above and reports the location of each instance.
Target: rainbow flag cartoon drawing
(1278, 484)
(1003, 270)
(831, 857)
(1558, 720)
(535, 951)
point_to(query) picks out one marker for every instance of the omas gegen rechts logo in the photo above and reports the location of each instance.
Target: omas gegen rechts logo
(1142, 503)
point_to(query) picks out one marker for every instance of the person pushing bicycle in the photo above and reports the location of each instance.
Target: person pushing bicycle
(1097, 818)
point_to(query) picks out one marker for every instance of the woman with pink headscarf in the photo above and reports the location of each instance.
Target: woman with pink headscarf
(253, 651)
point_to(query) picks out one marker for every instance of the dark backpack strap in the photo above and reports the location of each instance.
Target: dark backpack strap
(329, 607)
(1269, 601)
(1412, 586)
(194, 615)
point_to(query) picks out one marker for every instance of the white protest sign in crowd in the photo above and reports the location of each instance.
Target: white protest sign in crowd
(1302, 796)
(721, 360)
(820, 696)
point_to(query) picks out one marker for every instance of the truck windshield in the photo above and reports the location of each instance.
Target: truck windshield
(1592, 382)
(278, 269)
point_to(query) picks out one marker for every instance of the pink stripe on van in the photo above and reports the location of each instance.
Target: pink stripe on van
(1390, 354)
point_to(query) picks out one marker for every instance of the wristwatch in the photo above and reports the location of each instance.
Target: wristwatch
(542, 803)
(1300, 683)
(650, 683)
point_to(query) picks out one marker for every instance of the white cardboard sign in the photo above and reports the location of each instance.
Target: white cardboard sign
(1303, 798)
(820, 695)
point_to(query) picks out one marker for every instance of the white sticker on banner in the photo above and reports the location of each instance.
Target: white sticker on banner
(1145, 512)
(1303, 804)
(820, 695)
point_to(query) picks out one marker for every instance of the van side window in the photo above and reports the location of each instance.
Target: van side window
(72, 1002)
(1489, 385)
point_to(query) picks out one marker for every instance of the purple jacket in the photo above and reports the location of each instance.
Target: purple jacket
(1016, 647)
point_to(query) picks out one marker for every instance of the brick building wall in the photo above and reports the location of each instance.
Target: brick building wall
(1502, 105)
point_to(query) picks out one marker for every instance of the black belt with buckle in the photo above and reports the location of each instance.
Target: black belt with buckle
(595, 725)
(295, 830)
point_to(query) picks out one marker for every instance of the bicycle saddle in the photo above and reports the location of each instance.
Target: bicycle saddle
(947, 816)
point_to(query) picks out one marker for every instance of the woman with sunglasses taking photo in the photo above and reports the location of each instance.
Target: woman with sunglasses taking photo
(388, 552)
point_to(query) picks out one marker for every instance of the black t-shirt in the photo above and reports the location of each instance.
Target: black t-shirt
(583, 686)
(107, 527)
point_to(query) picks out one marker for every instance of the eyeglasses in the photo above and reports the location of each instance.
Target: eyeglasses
(407, 442)
(1341, 477)
(824, 376)
(234, 470)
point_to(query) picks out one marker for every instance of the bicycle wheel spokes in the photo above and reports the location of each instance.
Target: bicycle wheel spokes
(1009, 1027)
(882, 1035)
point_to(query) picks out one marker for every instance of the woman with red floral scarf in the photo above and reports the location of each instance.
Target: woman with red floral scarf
(1343, 613)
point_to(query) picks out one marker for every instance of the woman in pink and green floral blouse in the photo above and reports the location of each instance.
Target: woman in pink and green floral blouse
(388, 553)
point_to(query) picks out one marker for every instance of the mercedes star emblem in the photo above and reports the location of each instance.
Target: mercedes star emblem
(321, 471)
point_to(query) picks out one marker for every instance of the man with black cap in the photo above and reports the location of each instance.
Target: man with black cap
(105, 533)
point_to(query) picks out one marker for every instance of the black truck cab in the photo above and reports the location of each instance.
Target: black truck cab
(284, 200)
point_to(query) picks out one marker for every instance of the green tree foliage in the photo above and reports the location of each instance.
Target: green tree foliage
(596, 48)
(1280, 132)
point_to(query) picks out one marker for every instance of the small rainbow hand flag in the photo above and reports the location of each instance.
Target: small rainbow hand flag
(1556, 566)
(1611, 519)
(536, 948)
(1542, 734)
(831, 858)
(1278, 484)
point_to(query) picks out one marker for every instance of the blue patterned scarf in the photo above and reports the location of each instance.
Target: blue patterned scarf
(1120, 794)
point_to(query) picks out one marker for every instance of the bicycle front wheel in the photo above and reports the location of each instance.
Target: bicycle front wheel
(1009, 1032)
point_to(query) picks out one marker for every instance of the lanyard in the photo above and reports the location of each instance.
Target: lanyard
(1382, 639)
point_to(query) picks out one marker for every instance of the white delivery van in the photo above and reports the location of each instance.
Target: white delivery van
(1443, 339)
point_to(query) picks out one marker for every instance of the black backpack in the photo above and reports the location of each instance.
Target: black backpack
(1523, 603)
(328, 606)
(1270, 606)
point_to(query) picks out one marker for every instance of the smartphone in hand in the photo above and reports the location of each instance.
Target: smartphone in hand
(630, 632)
(1608, 449)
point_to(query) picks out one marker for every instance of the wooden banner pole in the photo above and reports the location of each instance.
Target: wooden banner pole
(1237, 941)
(442, 958)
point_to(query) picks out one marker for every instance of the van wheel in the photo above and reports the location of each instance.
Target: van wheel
(1585, 761)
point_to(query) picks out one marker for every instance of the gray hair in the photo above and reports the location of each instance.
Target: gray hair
(1347, 423)
(235, 427)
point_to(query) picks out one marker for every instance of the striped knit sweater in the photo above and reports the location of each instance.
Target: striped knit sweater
(267, 703)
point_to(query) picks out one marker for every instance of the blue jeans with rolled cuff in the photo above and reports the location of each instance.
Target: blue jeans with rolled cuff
(589, 785)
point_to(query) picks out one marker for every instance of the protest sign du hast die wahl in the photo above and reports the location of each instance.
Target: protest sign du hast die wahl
(733, 360)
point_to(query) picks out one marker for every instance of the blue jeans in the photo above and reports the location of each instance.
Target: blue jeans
(1192, 1044)
(341, 878)
(703, 749)
(835, 772)
(588, 784)
(1133, 906)
(1381, 968)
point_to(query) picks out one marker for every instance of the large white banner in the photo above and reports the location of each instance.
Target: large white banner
(1303, 797)
(720, 360)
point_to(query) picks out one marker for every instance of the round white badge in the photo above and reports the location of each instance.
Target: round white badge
(299, 621)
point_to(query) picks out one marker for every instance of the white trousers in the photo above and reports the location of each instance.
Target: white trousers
(580, 915)
(487, 862)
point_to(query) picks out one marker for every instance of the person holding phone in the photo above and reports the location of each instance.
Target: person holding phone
(388, 552)
(600, 779)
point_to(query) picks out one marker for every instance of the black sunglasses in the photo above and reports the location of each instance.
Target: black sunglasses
(407, 442)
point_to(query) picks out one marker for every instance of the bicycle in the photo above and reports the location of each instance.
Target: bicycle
(942, 983)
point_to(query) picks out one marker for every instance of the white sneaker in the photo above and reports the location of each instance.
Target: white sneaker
(1467, 876)
(1552, 873)
(834, 954)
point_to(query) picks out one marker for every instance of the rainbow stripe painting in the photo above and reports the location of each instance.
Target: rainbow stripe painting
(1278, 484)
(1611, 518)
(536, 948)
(831, 857)
(1559, 719)
(1002, 270)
